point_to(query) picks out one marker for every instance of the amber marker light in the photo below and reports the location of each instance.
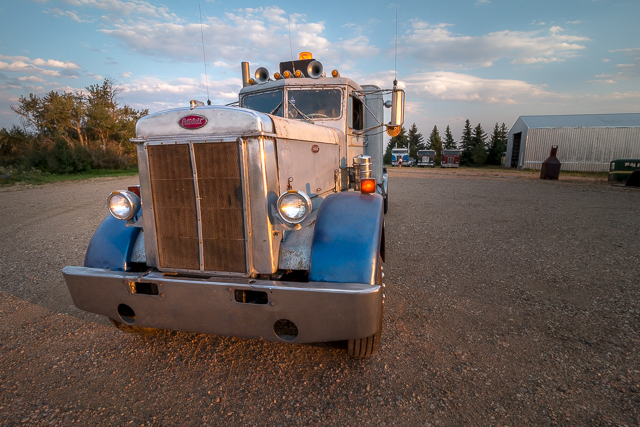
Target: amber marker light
(393, 131)
(335, 73)
(277, 76)
(298, 74)
(368, 185)
(305, 55)
(286, 74)
(251, 81)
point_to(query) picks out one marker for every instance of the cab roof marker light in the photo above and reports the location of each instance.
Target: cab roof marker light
(335, 73)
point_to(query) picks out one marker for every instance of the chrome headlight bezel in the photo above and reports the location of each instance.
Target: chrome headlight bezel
(130, 202)
(291, 196)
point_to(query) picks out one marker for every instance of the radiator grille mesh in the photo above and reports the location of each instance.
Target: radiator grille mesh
(221, 206)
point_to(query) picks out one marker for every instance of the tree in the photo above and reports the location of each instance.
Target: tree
(398, 141)
(416, 141)
(449, 142)
(479, 152)
(435, 143)
(466, 144)
(497, 145)
(66, 132)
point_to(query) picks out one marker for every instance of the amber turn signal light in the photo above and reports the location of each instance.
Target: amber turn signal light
(368, 185)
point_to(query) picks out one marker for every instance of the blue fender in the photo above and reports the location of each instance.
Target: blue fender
(347, 239)
(111, 245)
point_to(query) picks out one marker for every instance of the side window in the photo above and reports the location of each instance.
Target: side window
(356, 113)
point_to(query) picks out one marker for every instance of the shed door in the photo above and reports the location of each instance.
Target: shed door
(515, 149)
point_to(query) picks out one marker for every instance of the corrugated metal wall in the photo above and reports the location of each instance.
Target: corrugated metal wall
(580, 149)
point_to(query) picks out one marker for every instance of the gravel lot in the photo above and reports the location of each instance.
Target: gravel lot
(511, 301)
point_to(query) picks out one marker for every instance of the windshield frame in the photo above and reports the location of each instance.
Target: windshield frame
(299, 115)
(279, 106)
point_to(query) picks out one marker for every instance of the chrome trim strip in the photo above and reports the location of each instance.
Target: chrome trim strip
(242, 151)
(192, 157)
(148, 215)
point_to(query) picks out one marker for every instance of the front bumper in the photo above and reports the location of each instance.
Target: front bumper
(239, 307)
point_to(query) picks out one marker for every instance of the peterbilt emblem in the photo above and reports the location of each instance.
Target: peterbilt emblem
(192, 122)
(315, 148)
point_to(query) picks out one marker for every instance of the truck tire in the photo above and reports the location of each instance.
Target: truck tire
(366, 347)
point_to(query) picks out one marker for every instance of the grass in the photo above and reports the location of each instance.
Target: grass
(10, 175)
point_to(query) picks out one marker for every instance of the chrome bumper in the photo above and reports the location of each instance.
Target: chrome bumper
(238, 307)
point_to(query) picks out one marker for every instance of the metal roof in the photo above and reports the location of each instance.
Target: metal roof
(627, 120)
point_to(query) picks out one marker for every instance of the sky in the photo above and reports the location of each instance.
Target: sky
(488, 61)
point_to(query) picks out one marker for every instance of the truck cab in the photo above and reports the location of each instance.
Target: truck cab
(260, 220)
(426, 158)
(400, 157)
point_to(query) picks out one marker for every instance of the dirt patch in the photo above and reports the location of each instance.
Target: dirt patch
(510, 301)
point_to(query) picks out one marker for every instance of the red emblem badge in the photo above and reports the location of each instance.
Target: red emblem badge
(315, 148)
(192, 122)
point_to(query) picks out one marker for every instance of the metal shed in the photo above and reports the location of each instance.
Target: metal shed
(586, 142)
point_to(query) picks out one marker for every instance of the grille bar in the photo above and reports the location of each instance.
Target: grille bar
(199, 206)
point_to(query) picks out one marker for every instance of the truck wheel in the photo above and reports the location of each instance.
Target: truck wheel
(368, 346)
(133, 329)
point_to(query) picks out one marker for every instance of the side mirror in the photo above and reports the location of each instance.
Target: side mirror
(397, 107)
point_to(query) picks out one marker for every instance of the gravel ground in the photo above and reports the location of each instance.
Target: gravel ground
(511, 301)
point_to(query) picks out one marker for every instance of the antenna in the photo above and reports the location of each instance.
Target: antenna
(293, 66)
(206, 78)
(395, 60)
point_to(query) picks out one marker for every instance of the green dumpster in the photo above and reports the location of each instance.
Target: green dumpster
(620, 169)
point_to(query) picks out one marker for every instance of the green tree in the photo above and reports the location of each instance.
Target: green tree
(416, 141)
(435, 143)
(466, 144)
(66, 132)
(479, 152)
(449, 142)
(497, 145)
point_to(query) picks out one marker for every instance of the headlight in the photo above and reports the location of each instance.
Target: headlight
(123, 204)
(294, 206)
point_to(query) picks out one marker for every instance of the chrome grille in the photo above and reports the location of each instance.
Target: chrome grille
(220, 207)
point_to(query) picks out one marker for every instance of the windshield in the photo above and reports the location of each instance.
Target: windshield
(265, 102)
(399, 151)
(314, 103)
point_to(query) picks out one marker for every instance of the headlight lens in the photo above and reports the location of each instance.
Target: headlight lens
(123, 205)
(294, 206)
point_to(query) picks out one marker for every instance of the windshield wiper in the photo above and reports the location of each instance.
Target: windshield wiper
(304, 116)
(276, 109)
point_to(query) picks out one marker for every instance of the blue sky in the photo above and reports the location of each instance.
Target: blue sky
(484, 60)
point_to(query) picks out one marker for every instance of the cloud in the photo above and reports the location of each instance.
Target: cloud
(438, 46)
(26, 65)
(261, 34)
(31, 79)
(607, 82)
(451, 86)
(157, 94)
(58, 13)
(127, 8)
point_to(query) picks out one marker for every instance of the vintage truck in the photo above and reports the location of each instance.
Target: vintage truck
(262, 220)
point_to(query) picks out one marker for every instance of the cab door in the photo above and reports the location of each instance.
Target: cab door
(355, 127)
